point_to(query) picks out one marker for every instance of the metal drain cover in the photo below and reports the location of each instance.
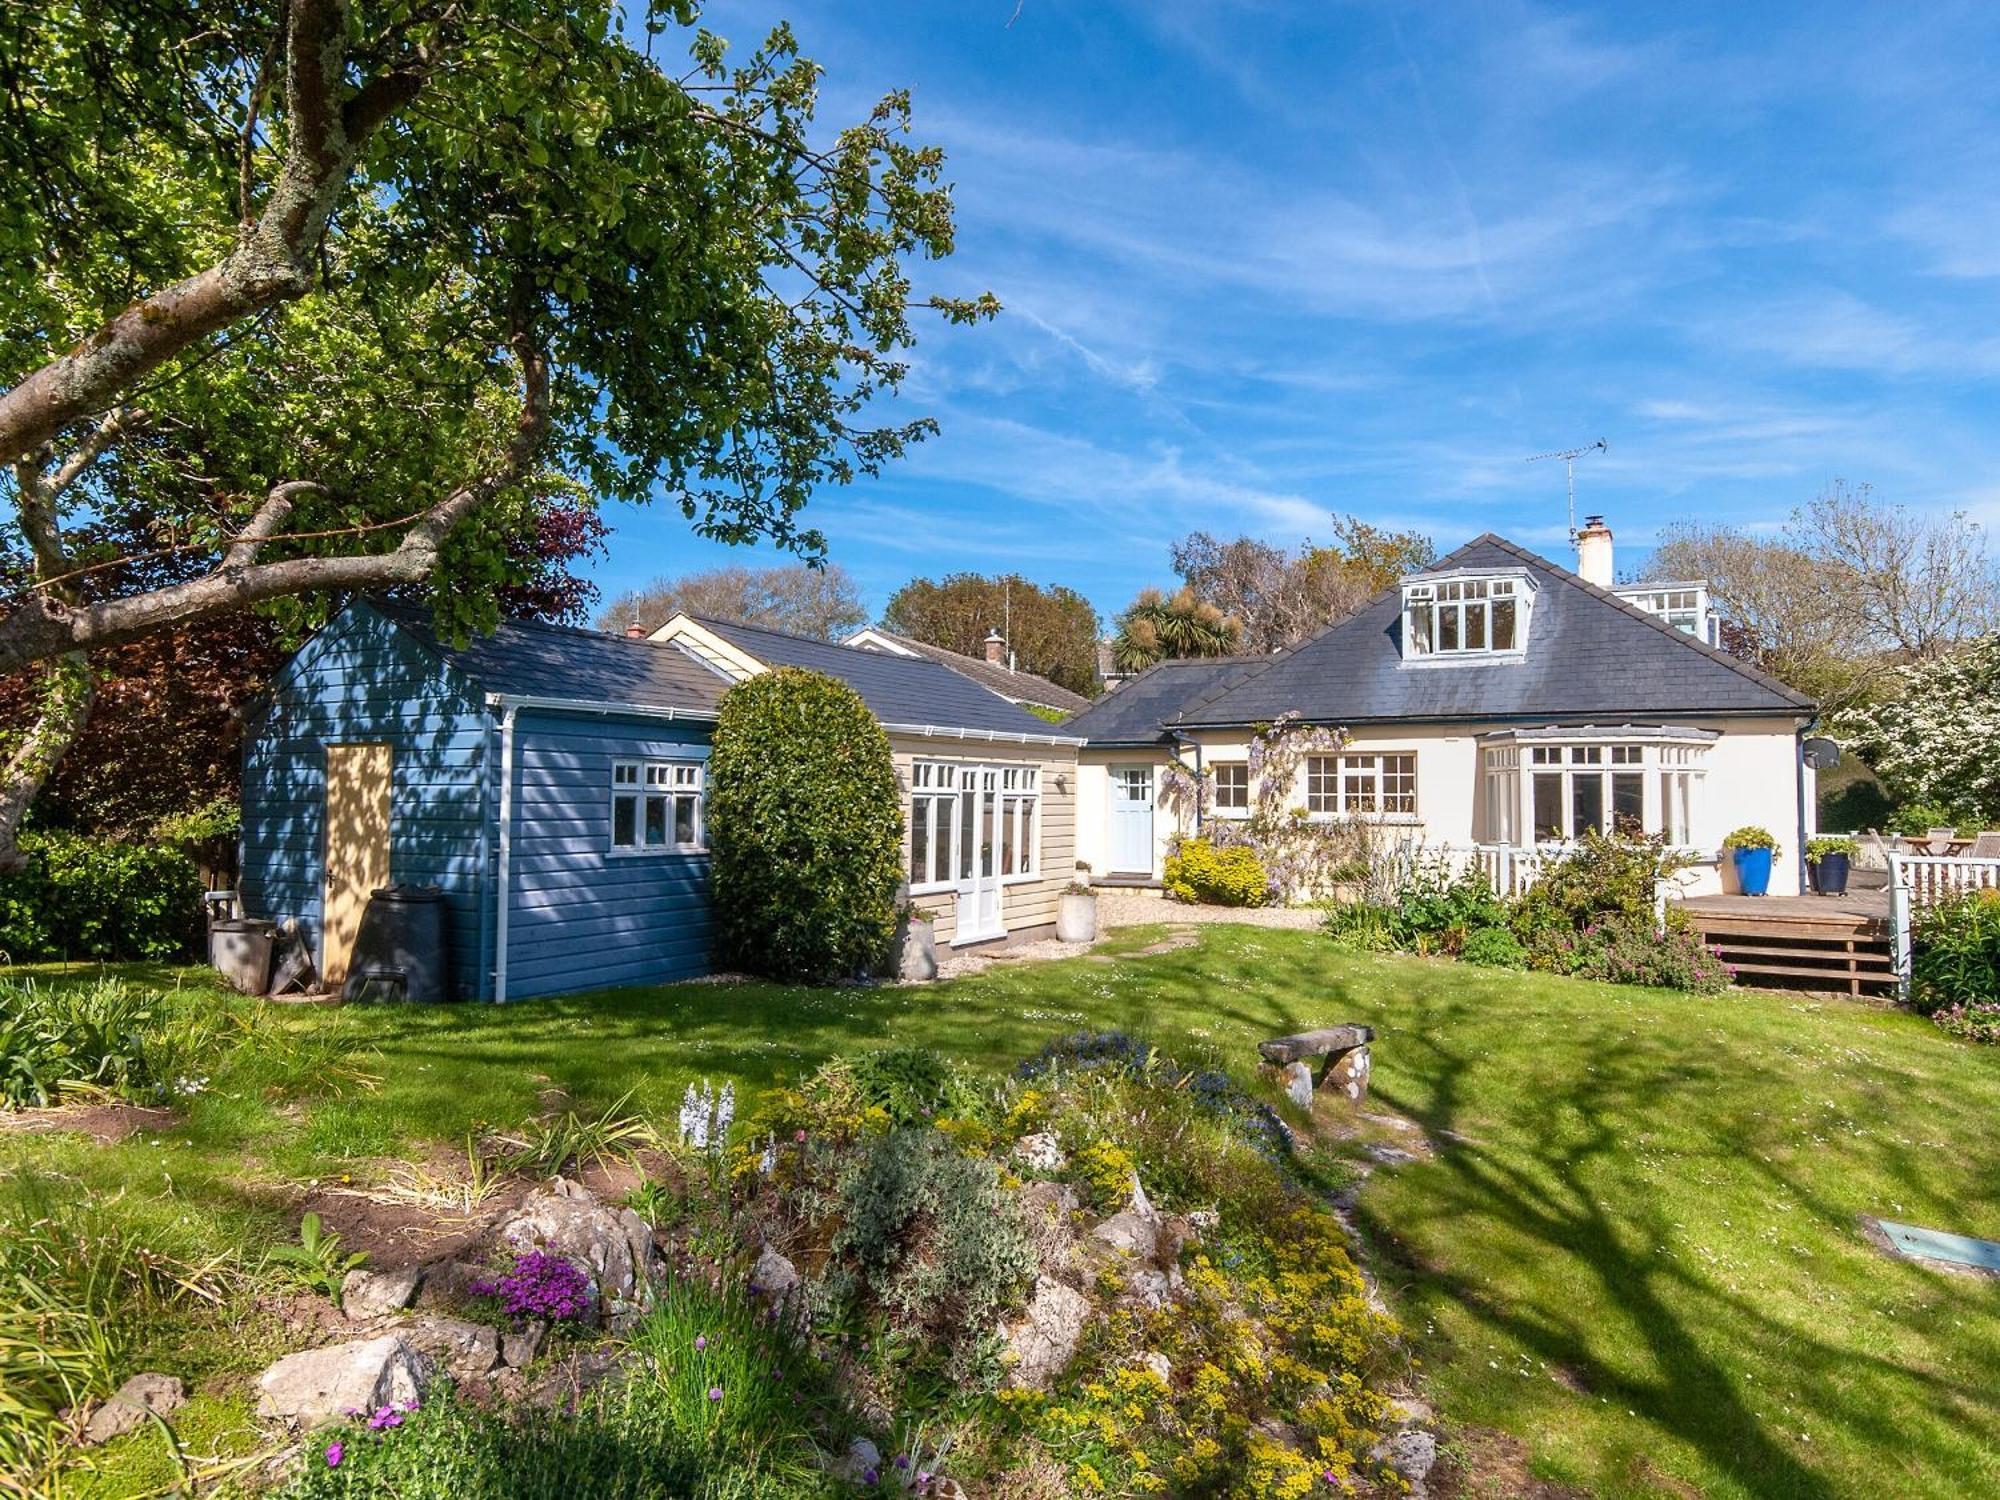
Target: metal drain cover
(1935, 1244)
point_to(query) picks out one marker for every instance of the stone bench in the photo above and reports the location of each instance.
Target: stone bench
(1344, 1070)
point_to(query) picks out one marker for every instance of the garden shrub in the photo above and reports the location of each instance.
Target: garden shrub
(1437, 911)
(1599, 879)
(83, 897)
(927, 1236)
(1199, 872)
(909, 1084)
(1955, 964)
(1625, 949)
(1361, 926)
(805, 829)
(1494, 947)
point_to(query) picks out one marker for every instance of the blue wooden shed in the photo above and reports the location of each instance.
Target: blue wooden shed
(548, 780)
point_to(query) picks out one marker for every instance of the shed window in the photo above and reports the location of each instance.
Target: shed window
(656, 805)
(959, 813)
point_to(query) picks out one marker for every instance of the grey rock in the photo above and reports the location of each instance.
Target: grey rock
(1049, 1210)
(1348, 1074)
(463, 1347)
(448, 1283)
(1136, 1235)
(612, 1244)
(373, 1294)
(1140, 1204)
(126, 1410)
(1204, 1219)
(1299, 1084)
(1149, 1288)
(320, 1385)
(773, 1276)
(1411, 1452)
(1157, 1363)
(1040, 1344)
(1326, 1041)
(1389, 1156)
(519, 1346)
(1041, 1151)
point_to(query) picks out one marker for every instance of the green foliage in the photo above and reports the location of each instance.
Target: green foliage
(1627, 950)
(81, 897)
(927, 1237)
(1955, 954)
(1361, 926)
(805, 829)
(1599, 879)
(1494, 947)
(1437, 911)
(1751, 837)
(1917, 819)
(1046, 714)
(316, 1262)
(1199, 871)
(545, 1147)
(105, 1035)
(1157, 627)
(1819, 848)
(221, 818)
(911, 1084)
(1859, 805)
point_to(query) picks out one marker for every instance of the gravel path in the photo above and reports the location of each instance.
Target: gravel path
(1132, 908)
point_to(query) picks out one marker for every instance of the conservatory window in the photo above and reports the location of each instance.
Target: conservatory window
(1612, 788)
(1232, 787)
(1465, 617)
(961, 814)
(656, 806)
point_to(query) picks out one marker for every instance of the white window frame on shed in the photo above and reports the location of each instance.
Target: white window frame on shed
(1231, 792)
(944, 844)
(668, 787)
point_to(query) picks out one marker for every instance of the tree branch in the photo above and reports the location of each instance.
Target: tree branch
(270, 517)
(65, 709)
(273, 258)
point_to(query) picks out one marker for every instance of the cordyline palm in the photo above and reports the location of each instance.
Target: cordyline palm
(1157, 628)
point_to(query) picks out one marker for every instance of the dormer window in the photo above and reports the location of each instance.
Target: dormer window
(1451, 617)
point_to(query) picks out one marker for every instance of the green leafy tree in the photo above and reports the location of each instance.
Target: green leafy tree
(1933, 741)
(325, 297)
(1158, 627)
(1051, 630)
(805, 829)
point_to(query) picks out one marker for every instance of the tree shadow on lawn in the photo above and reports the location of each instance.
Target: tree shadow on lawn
(1540, 1189)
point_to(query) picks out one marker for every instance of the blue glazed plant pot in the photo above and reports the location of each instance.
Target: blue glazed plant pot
(1753, 870)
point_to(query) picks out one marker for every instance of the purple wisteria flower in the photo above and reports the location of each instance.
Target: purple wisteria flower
(540, 1285)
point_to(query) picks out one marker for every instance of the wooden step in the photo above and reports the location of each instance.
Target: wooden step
(1858, 955)
(1840, 979)
(1834, 929)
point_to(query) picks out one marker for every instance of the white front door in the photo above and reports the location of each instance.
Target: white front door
(979, 912)
(1131, 820)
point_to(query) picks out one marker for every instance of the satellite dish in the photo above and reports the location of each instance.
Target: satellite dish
(1822, 754)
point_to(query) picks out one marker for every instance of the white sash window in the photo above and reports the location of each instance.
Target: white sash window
(657, 807)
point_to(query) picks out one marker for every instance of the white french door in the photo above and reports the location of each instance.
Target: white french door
(979, 836)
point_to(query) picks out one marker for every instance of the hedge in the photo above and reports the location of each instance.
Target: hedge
(83, 897)
(1200, 872)
(805, 829)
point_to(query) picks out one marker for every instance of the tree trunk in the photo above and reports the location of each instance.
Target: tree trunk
(65, 709)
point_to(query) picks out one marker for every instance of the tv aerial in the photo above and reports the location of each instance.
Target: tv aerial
(1569, 456)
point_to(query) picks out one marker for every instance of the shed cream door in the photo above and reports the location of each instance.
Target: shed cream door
(357, 845)
(979, 912)
(1132, 820)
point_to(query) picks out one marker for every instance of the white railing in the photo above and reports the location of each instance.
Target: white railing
(1509, 868)
(1920, 880)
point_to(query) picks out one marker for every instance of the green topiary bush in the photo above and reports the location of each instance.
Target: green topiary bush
(805, 829)
(1200, 872)
(81, 897)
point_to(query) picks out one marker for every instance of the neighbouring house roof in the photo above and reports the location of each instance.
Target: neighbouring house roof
(904, 692)
(1017, 687)
(528, 659)
(1136, 711)
(1589, 654)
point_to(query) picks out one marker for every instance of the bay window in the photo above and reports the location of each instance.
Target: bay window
(1555, 788)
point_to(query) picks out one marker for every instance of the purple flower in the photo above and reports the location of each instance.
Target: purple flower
(335, 1452)
(715, 1393)
(799, 1136)
(386, 1416)
(700, 1342)
(902, 1460)
(540, 1285)
(869, 1476)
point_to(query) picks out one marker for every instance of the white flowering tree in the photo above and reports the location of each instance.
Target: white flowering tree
(1938, 740)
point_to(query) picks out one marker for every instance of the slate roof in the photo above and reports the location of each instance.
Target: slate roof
(1021, 687)
(1589, 654)
(1135, 711)
(532, 660)
(903, 690)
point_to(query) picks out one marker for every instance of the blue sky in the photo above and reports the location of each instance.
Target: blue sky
(1266, 261)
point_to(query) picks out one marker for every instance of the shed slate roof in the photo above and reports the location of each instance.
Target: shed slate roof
(532, 660)
(1589, 653)
(1135, 711)
(903, 690)
(1021, 687)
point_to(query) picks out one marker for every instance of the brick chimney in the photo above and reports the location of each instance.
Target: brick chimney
(996, 649)
(635, 631)
(1593, 553)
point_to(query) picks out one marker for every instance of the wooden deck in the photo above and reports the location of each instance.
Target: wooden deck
(1831, 944)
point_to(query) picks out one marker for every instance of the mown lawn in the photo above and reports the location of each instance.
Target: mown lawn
(1636, 1247)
